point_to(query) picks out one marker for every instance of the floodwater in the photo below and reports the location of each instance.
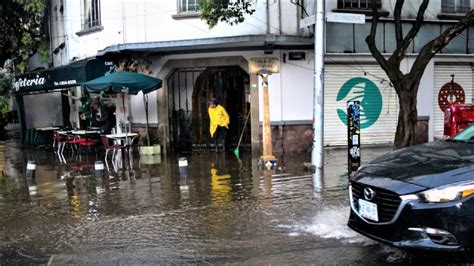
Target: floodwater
(147, 211)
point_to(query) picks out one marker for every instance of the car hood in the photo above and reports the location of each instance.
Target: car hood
(428, 165)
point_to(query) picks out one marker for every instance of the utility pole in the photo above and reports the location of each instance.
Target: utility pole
(267, 132)
(264, 67)
(318, 19)
(317, 154)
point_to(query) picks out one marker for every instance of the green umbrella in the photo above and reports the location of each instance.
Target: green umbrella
(125, 82)
(118, 81)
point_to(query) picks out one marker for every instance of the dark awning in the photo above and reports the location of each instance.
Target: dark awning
(61, 77)
(219, 44)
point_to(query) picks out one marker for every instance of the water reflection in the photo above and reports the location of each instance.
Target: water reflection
(214, 207)
(209, 179)
(220, 186)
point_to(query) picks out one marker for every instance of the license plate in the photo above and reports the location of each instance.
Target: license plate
(368, 210)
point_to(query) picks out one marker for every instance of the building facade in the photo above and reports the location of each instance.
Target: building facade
(348, 58)
(167, 39)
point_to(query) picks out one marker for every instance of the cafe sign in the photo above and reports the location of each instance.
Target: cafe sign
(60, 77)
(26, 82)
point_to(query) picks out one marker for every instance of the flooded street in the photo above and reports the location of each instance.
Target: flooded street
(223, 210)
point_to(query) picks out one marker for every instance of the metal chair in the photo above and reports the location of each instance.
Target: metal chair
(87, 142)
(57, 139)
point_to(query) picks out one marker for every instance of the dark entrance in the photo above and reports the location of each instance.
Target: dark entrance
(189, 90)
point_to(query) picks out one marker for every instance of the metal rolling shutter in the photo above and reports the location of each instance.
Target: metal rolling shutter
(383, 129)
(442, 75)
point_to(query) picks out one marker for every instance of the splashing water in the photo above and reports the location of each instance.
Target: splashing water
(331, 222)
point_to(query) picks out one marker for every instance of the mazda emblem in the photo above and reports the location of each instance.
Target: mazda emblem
(369, 194)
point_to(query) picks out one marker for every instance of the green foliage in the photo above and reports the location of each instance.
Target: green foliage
(229, 11)
(5, 85)
(22, 31)
(43, 51)
(4, 105)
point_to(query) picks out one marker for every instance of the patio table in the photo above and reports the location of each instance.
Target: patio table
(127, 137)
(85, 132)
(87, 135)
(47, 128)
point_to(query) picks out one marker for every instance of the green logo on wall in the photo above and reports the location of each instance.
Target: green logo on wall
(365, 91)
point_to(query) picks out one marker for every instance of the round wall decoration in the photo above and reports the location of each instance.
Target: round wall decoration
(447, 95)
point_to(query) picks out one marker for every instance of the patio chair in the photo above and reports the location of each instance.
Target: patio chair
(74, 141)
(63, 140)
(87, 143)
(57, 139)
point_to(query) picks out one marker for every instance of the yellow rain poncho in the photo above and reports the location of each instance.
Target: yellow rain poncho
(218, 117)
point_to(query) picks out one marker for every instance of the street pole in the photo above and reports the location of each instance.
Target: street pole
(267, 133)
(264, 67)
(317, 154)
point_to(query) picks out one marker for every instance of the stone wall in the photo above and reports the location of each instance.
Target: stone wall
(291, 138)
(422, 130)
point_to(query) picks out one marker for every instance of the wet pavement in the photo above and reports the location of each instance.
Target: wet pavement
(223, 210)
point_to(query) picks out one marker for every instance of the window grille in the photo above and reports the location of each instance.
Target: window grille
(358, 4)
(455, 6)
(188, 6)
(91, 14)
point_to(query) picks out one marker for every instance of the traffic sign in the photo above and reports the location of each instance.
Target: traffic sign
(345, 18)
(335, 17)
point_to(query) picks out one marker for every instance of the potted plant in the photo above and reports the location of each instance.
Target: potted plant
(152, 145)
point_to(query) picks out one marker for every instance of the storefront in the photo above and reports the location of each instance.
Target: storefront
(455, 79)
(369, 85)
(39, 99)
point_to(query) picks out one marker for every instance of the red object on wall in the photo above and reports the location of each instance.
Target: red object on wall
(457, 117)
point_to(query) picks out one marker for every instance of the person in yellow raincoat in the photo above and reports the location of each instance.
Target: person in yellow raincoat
(219, 122)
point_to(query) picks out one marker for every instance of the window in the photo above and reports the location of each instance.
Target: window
(358, 4)
(90, 14)
(455, 6)
(188, 6)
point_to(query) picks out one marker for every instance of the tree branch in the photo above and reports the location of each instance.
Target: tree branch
(398, 22)
(434, 46)
(297, 3)
(402, 46)
(393, 72)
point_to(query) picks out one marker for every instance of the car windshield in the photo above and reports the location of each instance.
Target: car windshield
(465, 135)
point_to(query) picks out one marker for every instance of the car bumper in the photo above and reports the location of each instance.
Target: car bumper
(444, 227)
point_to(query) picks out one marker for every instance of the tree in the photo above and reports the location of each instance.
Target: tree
(22, 31)
(232, 12)
(406, 85)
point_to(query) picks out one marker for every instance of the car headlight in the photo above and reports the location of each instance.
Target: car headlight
(447, 193)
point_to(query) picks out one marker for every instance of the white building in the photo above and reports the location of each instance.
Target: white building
(167, 39)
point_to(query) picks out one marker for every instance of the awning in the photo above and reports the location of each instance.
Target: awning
(219, 44)
(61, 77)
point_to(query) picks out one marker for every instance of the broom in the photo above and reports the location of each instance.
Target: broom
(236, 151)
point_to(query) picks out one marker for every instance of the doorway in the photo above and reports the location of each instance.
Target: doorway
(189, 90)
